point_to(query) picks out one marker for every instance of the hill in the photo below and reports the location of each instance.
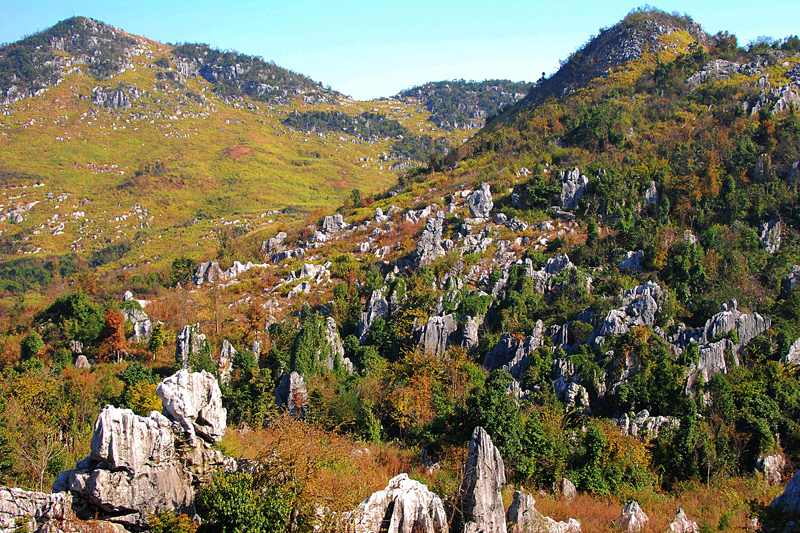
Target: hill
(605, 278)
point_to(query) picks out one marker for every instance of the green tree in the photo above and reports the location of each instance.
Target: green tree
(30, 346)
(235, 505)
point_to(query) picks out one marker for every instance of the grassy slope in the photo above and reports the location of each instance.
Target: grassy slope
(220, 161)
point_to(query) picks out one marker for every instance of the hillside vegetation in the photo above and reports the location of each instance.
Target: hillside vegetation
(605, 278)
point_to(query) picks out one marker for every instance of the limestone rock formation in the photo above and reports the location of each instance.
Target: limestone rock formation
(225, 365)
(438, 334)
(790, 282)
(480, 203)
(377, 307)
(729, 318)
(123, 440)
(651, 194)
(523, 517)
(793, 357)
(142, 326)
(429, 247)
(274, 245)
(334, 224)
(189, 341)
(208, 272)
(334, 341)
(194, 400)
(790, 499)
(682, 524)
(632, 262)
(573, 185)
(481, 501)
(35, 508)
(292, 394)
(511, 354)
(404, 506)
(771, 466)
(632, 518)
(770, 233)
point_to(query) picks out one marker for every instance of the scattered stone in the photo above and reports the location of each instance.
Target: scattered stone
(480, 203)
(404, 506)
(632, 518)
(484, 476)
(285, 255)
(274, 245)
(303, 287)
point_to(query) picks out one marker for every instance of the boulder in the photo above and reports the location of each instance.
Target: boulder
(404, 506)
(770, 233)
(469, 339)
(225, 365)
(682, 524)
(292, 394)
(194, 401)
(82, 362)
(303, 287)
(438, 334)
(377, 307)
(480, 203)
(790, 282)
(285, 255)
(334, 341)
(379, 217)
(208, 271)
(273, 245)
(523, 517)
(189, 341)
(632, 518)
(34, 508)
(651, 194)
(481, 500)
(771, 466)
(429, 247)
(790, 499)
(124, 441)
(573, 185)
(632, 262)
(142, 327)
(334, 224)
(791, 358)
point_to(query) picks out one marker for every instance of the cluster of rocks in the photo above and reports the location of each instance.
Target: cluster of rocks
(210, 271)
(137, 466)
(142, 326)
(117, 98)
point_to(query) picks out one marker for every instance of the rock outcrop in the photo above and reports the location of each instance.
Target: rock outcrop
(225, 364)
(682, 524)
(632, 518)
(480, 203)
(429, 247)
(771, 466)
(292, 394)
(377, 307)
(481, 500)
(194, 401)
(790, 282)
(334, 224)
(438, 334)
(790, 499)
(33, 508)
(141, 324)
(189, 341)
(142, 465)
(573, 185)
(770, 233)
(523, 517)
(404, 506)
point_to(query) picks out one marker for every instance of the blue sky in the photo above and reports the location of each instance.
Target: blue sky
(369, 49)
